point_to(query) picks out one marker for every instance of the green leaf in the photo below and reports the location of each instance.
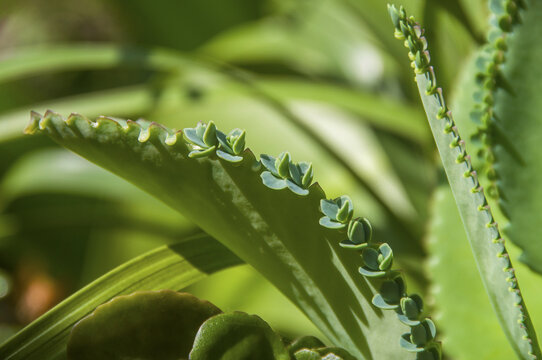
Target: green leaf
(381, 112)
(146, 325)
(168, 267)
(228, 157)
(237, 336)
(275, 231)
(272, 181)
(487, 244)
(518, 159)
(449, 249)
(25, 62)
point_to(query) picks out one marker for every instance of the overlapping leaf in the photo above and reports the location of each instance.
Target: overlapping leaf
(277, 231)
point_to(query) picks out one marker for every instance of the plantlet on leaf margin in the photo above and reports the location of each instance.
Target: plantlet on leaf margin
(378, 260)
(482, 230)
(205, 139)
(283, 173)
(231, 145)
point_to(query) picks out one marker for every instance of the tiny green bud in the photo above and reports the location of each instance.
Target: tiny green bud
(209, 136)
(505, 23)
(404, 28)
(359, 231)
(370, 258)
(238, 144)
(282, 164)
(410, 307)
(343, 213)
(418, 335)
(394, 14)
(306, 180)
(385, 257)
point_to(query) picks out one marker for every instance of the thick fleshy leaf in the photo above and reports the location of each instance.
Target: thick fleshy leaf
(275, 231)
(193, 137)
(228, 157)
(329, 208)
(330, 224)
(196, 154)
(168, 267)
(269, 163)
(273, 182)
(237, 336)
(147, 325)
(296, 188)
(223, 141)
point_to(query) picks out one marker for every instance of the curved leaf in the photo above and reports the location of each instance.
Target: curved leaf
(237, 336)
(145, 325)
(168, 267)
(276, 231)
(29, 61)
(383, 113)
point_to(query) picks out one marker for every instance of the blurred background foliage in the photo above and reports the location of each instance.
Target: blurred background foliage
(324, 79)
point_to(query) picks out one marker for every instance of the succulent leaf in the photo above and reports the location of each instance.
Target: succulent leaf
(237, 336)
(231, 203)
(163, 317)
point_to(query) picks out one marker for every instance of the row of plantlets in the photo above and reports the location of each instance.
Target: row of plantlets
(482, 230)
(377, 258)
(505, 15)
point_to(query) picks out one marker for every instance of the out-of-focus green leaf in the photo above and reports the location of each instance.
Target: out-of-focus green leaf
(25, 62)
(56, 171)
(147, 325)
(183, 25)
(518, 134)
(317, 38)
(382, 113)
(168, 267)
(230, 202)
(237, 336)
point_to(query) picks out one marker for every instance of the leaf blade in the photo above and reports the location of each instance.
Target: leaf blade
(268, 229)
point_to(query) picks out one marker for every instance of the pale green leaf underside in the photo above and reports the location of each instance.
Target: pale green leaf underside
(517, 149)
(493, 263)
(276, 231)
(169, 267)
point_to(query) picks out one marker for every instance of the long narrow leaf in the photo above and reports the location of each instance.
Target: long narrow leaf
(486, 241)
